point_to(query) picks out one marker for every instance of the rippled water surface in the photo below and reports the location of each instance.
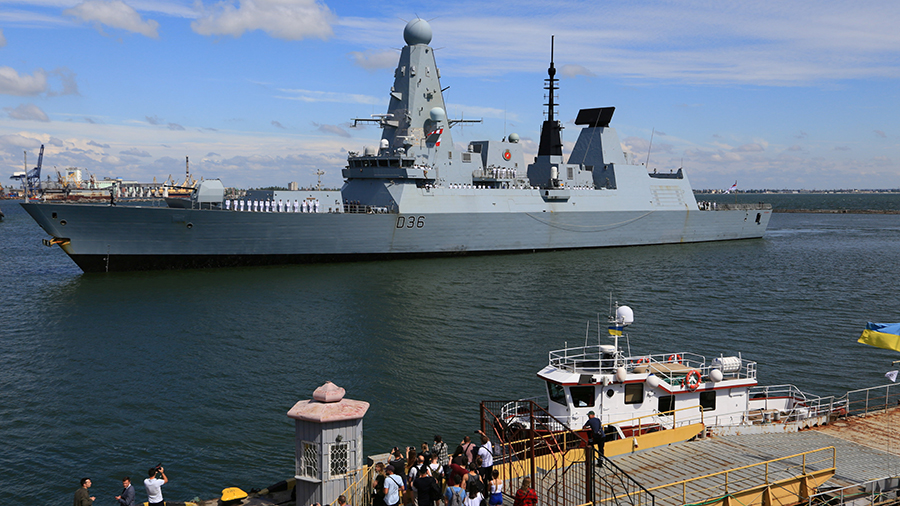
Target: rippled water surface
(106, 375)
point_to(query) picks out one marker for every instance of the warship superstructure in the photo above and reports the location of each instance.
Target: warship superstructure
(416, 195)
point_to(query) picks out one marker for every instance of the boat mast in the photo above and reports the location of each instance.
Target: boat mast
(551, 143)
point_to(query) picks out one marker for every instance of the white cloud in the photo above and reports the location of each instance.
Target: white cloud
(115, 14)
(282, 19)
(2, 39)
(11, 83)
(174, 126)
(27, 112)
(135, 152)
(374, 60)
(332, 129)
(330, 96)
(572, 70)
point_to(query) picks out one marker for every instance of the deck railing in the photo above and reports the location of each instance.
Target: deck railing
(874, 399)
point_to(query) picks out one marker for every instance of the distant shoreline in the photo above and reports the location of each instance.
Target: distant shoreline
(838, 211)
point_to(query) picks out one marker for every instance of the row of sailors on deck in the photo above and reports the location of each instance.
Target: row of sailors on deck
(270, 206)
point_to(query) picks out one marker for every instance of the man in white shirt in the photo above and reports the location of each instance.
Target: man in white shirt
(486, 452)
(154, 486)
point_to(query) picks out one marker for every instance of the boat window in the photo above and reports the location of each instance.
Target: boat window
(666, 403)
(582, 397)
(382, 163)
(407, 163)
(634, 393)
(708, 400)
(571, 172)
(556, 393)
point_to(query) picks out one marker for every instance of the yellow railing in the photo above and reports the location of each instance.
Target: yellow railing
(728, 484)
(357, 492)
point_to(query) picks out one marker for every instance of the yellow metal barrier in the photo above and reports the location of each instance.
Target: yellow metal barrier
(357, 492)
(763, 491)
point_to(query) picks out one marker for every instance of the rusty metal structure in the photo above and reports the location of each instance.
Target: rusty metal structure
(564, 469)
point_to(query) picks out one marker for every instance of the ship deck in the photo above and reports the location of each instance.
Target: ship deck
(866, 449)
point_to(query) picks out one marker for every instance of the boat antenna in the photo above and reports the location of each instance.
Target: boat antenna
(647, 165)
(587, 331)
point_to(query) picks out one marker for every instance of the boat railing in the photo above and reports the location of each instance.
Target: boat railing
(878, 399)
(672, 367)
(521, 410)
(584, 359)
(661, 420)
(793, 403)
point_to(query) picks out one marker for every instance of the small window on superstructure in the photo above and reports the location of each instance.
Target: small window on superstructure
(708, 400)
(666, 403)
(467, 158)
(556, 393)
(634, 393)
(450, 155)
(582, 397)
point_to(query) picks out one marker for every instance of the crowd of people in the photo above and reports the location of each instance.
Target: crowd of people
(156, 478)
(433, 475)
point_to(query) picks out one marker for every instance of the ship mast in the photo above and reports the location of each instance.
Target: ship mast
(551, 143)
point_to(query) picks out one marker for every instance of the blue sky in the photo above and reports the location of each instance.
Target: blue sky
(771, 94)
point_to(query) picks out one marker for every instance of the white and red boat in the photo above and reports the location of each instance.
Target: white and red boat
(636, 394)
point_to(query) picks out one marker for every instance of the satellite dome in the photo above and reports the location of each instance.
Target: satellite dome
(624, 315)
(437, 114)
(417, 31)
(513, 137)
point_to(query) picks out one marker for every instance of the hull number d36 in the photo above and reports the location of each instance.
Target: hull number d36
(410, 221)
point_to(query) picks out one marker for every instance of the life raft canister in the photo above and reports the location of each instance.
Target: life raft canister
(507, 155)
(692, 380)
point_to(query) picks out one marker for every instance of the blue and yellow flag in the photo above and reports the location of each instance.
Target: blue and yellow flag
(882, 335)
(615, 330)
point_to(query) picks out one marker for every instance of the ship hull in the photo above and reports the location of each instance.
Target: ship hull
(124, 238)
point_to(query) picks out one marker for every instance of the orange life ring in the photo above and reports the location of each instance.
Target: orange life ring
(643, 360)
(674, 357)
(692, 380)
(507, 155)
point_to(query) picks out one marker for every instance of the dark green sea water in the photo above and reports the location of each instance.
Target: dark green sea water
(107, 375)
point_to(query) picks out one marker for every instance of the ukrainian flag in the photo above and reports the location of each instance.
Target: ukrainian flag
(882, 335)
(615, 330)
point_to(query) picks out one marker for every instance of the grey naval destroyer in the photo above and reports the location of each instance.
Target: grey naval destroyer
(415, 195)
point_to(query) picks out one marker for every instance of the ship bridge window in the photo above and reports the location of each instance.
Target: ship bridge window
(582, 397)
(708, 400)
(634, 393)
(383, 163)
(666, 403)
(556, 393)
(407, 163)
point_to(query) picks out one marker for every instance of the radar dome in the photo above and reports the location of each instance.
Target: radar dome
(417, 31)
(625, 315)
(437, 114)
(513, 137)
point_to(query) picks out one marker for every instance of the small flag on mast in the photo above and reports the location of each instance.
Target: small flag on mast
(615, 329)
(891, 375)
(733, 188)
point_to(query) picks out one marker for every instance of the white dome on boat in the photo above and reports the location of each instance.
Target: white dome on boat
(513, 137)
(716, 375)
(652, 381)
(621, 374)
(370, 151)
(607, 348)
(625, 315)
